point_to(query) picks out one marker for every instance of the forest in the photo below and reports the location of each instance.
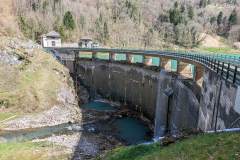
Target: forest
(132, 23)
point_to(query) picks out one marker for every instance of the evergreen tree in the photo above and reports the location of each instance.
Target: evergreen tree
(234, 2)
(233, 18)
(176, 5)
(212, 20)
(220, 18)
(35, 6)
(203, 3)
(82, 21)
(68, 21)
(106, 32)
(175, 15)
(182, 8)
(190, 12)
(98, 30)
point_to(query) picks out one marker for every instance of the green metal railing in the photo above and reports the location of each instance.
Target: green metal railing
(227, 66)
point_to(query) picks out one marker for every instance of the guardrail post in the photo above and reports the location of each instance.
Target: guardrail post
(214, 65)
(228, 71)
(222, 68)
(112, 56)
(218, 66)
(235, 74)
(211, 63)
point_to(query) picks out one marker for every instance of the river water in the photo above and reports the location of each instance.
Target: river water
(130, 130)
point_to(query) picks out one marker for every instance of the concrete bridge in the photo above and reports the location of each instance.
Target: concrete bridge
(202, 92)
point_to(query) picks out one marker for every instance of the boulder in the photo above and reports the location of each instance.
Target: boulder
(236, 45)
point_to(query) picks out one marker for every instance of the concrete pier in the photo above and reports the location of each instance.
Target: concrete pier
(165, 63)
(112, 56)
(147, 60)
(129, 58)
(94, 55)
(184, 70)
(198, 75)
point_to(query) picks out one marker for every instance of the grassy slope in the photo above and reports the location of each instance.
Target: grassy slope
(31, 151)
(212, 146)
(32, 86)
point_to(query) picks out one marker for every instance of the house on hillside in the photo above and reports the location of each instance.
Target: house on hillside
(88, 43)
(51, 39)
(85, 42)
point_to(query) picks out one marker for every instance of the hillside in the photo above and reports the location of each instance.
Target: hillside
(37, 93)
(32, 81)
(8, 21)
(154, 24)
(202, 147)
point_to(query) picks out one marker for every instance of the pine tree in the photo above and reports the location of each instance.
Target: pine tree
(182, 8)
(220, 18)
(175, 15)
(82, 21)
(176, 5)
(233, 18)
(106, 32)
(35, 6)
(212, 20)
(68, 21)
(190, 12)
(203, 3)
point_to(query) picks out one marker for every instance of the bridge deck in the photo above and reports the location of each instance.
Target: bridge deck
(228, 67)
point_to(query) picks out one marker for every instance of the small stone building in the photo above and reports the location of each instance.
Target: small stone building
(85, 42)
(51, 39)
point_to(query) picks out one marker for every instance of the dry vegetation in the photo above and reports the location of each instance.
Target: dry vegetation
(32, 81)
(8, 21)
(132, 23)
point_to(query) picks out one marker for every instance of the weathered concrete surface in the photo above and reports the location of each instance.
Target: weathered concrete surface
(237, 102)
(198, 77)
(143, 89)
(184, 108)
(162, 105)
(134, 86)
(175, 111)
(219, 103)
(214, 106)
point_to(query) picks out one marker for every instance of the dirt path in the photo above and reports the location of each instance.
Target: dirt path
(212, 41)
(8, 25)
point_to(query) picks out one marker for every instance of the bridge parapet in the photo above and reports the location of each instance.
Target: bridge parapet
(226, 67)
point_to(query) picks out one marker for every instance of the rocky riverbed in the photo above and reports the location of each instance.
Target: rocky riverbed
(95, 134)
(39, 104)
(66, 111)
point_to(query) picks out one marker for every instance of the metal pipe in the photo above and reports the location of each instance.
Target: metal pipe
(225, 130)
